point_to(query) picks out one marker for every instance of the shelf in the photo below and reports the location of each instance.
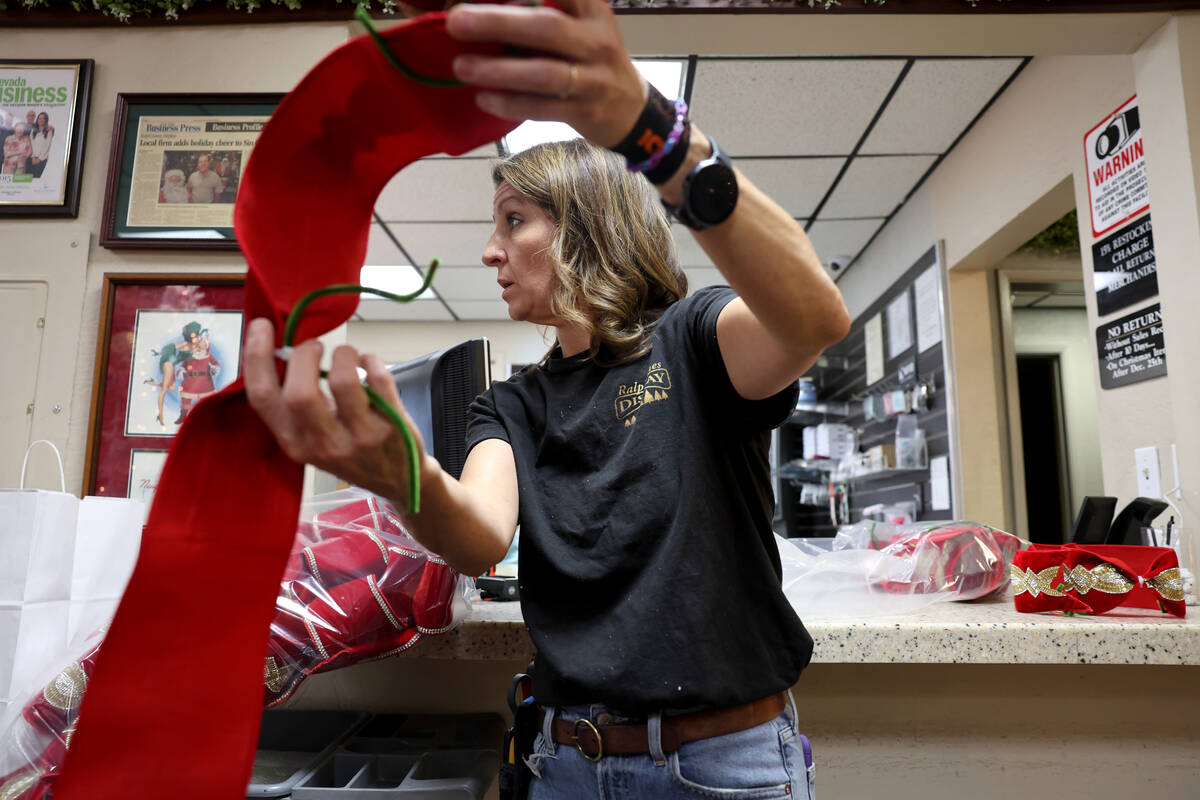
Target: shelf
(884, 474)
(832, 362)
(808, 413)
(805, 472)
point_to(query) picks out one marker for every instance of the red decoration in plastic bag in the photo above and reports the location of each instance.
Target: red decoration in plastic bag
(359, 608)
(965, 558)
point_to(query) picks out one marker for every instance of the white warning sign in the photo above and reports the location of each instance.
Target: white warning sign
(1116, 167)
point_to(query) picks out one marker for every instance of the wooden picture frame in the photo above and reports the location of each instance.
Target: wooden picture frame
(41, 170)
(165, 341)
(174, 168)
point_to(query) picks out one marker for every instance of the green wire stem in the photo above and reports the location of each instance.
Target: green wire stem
(444, 83)
(376, 399)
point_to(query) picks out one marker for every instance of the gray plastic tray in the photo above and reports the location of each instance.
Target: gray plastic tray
(292, 743)
(402, 757)
(435, 775)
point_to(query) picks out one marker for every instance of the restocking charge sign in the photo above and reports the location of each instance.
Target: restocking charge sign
(1123, 267)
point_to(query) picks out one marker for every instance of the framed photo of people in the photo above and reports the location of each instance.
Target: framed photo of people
(166, 342)
(174, 168)
(43, 125)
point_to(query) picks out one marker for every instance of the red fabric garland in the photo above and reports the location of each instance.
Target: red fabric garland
(224, 515)
(1092, 579)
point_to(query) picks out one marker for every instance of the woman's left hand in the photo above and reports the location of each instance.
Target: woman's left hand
(578, 71)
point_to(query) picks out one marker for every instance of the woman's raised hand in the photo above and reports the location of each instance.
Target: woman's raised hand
(339, 434)
(577, 69)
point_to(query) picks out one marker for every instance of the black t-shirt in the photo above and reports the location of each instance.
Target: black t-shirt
(649, 573)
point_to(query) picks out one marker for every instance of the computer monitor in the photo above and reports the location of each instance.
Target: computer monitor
(436, 389)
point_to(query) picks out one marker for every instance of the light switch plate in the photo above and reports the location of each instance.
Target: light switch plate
(1149, 479)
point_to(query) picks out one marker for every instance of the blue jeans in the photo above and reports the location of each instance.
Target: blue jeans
(767, 762)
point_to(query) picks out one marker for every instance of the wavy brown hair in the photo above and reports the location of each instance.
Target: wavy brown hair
(613, 255)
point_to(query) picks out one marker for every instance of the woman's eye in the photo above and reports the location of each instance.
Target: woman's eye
(513, 220)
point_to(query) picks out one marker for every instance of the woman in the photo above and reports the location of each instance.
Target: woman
(40, 140)
(166, 364)
(634, 456)
(17, 149)
(198, 369)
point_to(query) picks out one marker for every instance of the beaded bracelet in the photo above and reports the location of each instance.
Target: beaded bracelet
(677, 133)
(658, 122)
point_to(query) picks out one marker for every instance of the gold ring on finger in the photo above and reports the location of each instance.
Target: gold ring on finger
(572, 76)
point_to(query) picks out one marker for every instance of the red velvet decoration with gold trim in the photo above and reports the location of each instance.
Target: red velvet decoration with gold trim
(1092, 579)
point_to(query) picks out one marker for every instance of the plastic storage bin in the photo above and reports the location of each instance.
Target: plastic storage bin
(292, 743)
(408, 757)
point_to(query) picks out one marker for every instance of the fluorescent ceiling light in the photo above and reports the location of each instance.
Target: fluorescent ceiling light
(666, 75)
(402, 279)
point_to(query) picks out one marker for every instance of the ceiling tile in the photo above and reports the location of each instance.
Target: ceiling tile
(453, 243)
(1062, 301)
(842, 237)
(875, 186)
(480, 309)
(1024, 299)
(816, 106)
(936, 102)
(688, 250)
(700, 277)
(797, 184)
(451, 189)
(416, 311)
(467, 283)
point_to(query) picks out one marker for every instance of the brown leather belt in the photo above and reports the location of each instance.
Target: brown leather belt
(597, 738)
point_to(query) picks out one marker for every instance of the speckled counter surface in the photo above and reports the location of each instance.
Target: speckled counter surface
(989, 632)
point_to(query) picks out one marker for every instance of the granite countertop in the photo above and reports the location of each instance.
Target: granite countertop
(982, 632)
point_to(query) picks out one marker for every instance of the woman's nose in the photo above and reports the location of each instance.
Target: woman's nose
(493, 255)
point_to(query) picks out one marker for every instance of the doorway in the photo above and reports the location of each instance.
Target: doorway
(1043, 436)
(1051, 379)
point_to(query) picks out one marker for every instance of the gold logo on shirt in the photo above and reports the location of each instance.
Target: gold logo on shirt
(632, 396)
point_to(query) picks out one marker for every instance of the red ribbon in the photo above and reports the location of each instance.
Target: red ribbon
(1092, 579)
(174, 704)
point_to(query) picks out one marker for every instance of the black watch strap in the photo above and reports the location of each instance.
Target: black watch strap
(710, 192)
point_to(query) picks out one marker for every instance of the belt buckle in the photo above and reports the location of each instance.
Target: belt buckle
(599, 740)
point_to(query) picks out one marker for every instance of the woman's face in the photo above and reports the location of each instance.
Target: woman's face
(43, 120)
(19, 129)
(518, 249)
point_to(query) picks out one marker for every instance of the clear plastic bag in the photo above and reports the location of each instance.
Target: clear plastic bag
(357, 587)
(876, 568)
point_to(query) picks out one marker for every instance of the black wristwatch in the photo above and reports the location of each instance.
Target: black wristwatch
(710, 192)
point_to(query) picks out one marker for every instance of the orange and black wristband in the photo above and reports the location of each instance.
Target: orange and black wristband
(651, 134)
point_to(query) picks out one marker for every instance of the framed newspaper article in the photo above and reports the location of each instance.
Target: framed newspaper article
(166, 342)
(174, 168)
(43, 124)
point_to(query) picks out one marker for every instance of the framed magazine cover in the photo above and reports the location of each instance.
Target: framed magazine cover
(43, 125)
(175, 166)
(166, 342)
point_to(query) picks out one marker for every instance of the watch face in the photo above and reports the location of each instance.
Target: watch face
(714, 193)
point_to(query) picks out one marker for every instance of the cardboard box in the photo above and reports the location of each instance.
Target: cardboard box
(834, 440)
(881, 456)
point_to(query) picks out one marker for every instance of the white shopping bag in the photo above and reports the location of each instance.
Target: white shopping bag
(106, 547)
(37, 547)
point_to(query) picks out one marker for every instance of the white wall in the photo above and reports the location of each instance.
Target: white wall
(1064, 332)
